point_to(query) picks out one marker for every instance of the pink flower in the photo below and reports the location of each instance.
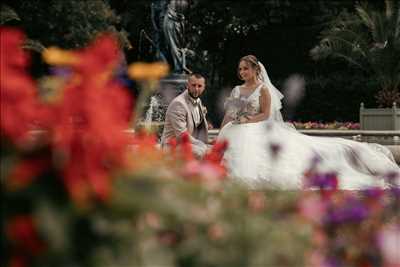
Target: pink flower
(194, 170)
(256, 202)
(389, 243)
(312, 208)
(216, 232)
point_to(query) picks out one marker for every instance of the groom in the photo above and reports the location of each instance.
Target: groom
(187, 113)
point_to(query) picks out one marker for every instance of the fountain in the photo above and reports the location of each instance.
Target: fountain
(155, 114)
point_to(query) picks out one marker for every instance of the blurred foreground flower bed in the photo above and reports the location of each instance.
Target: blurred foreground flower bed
(78, 189)
(328, 125)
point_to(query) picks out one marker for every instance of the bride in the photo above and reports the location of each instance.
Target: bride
(265, 152)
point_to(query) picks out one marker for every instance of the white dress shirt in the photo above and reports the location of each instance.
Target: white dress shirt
(196, 114)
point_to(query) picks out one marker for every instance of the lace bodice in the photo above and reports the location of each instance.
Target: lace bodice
(253, 100)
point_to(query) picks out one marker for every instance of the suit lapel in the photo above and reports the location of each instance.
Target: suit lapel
(203, 125)
(201, 110)
(191, 108)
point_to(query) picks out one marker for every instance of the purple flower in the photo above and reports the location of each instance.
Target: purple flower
(324, 181)
(275, 148)
(351, 212)
(391, 177)
(356, 213)
(316, 159)
(395, 191)
(332, 262)
(60, 71)
(374, 192)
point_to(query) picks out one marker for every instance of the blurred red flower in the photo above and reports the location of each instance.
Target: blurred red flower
(20, 109)
(216, 152)
(92, 116)
(185, 146)
(18, 261)
(25, 171)
(209, 170)
(21, 231)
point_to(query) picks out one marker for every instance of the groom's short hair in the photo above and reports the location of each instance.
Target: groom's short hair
(197, 75)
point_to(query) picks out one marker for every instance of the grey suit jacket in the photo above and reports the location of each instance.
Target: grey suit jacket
(179, 118)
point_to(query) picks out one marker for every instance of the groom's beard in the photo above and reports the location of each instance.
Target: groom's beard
(192, 96)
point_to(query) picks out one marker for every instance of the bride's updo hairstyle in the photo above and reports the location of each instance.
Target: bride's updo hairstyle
(253, 62)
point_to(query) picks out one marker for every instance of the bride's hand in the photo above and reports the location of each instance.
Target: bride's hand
(248, 118)
(243, 119)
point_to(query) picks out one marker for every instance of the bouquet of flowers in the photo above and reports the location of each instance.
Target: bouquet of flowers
(237, 108)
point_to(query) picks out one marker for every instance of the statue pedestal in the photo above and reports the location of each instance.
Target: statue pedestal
(172, 86)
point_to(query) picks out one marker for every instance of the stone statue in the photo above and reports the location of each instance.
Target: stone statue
(158, 10)
(168, 21)
(173, 31)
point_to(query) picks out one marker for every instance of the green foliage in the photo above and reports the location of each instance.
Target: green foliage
(183, 224)
(7, 14)
(335, 96)
(368, 39)
(66, 24)
(153, 221)
(135, 18)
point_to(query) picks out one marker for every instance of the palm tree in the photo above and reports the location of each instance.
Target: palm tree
(368, 39)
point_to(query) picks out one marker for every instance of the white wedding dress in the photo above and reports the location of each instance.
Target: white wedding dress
(272, 154)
